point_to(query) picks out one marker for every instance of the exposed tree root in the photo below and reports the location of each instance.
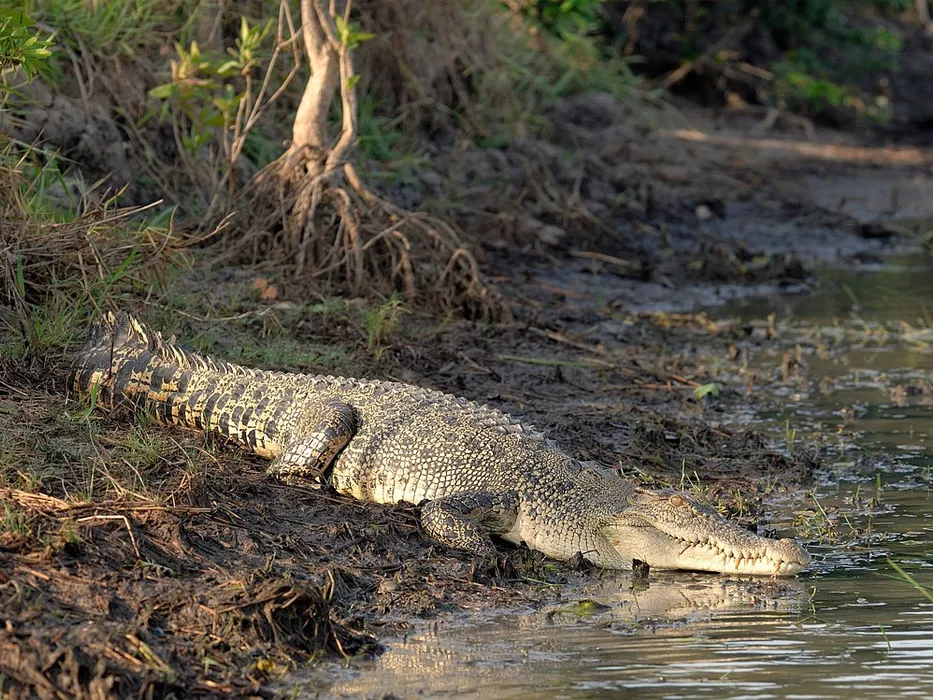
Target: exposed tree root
(335, 232)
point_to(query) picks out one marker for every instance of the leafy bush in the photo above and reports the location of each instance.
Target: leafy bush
(817, 56)
(562, 17)
(111, 29)
(20, 46)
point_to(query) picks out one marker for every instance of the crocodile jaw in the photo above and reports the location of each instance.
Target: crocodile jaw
(759, 556)
(668, 530)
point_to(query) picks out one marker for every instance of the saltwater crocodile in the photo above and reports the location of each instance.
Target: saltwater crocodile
(475, 470)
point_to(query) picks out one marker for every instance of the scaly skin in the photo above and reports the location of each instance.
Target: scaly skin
(475, 470)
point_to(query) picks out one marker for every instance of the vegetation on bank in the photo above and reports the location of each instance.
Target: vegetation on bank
(205, 94)
(825, 59)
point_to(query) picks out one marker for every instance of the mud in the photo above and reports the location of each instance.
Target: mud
(193, 572)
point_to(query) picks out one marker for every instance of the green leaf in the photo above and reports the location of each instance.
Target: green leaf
(712, 389)
(343, 31)
(163, 92)
(16, 17)
(215, 119)
(229, 68)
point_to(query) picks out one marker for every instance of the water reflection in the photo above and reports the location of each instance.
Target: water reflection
(569, 652)
(687, 636)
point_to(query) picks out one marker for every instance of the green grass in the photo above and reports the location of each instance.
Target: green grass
(42, 190)
(381, 322)
(925, 591)
(388, 155)
(535, 69)
(111, 29)
(13, 520)
(291, 355)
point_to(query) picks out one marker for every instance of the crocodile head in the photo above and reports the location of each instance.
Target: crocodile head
(670, 530)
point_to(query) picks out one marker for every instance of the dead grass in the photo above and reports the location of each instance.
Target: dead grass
(426, 59)
(56, 269)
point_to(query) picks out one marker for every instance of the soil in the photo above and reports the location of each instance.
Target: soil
(192, 572)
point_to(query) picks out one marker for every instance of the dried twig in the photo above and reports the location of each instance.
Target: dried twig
(126, 521)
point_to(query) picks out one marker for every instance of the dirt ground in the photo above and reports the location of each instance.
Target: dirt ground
(188, 571)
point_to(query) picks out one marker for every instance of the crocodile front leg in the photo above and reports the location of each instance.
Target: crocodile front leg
(464, 520)
(310, 452)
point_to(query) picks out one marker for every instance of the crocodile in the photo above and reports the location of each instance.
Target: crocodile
(474, 470)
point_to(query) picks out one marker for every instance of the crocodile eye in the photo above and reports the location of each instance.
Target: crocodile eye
(677, 501)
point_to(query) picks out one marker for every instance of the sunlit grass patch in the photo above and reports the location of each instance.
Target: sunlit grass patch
(62, 261)
(381, 321)
(56, 447)
(111, 29)
(291, 354)
(13, 520)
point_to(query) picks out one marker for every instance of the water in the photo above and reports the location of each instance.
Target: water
(849, 626)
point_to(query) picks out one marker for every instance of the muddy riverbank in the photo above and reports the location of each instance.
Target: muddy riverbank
(858, 618)
(140, 560)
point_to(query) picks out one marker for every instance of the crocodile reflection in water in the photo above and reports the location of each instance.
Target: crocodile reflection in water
(493, 657)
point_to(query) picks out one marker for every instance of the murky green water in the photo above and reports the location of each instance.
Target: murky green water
(850, 626)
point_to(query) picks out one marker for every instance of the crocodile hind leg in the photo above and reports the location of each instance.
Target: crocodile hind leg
(308, 455)
(464, 520)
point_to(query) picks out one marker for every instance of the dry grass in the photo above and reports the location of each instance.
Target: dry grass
(56, 269)
(424, 63)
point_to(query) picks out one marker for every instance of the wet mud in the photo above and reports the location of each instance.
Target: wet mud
(194, 572)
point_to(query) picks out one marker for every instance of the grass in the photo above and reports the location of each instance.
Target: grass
(545, 69)
(381, 322)
(113, 29)
(818, 524)
(840, 523)
(292, 355)
(389, 155)
(62, 261)
(56, 448)
(925, 591)
(65, 259)
(13, 520)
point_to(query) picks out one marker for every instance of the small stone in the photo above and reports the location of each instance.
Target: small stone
(389, 585)
(703, 212)
(545, 233)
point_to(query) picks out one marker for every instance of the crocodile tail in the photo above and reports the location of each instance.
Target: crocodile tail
(122, 358)
(109, 343)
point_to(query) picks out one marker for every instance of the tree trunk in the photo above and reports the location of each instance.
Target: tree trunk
(309, 131)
